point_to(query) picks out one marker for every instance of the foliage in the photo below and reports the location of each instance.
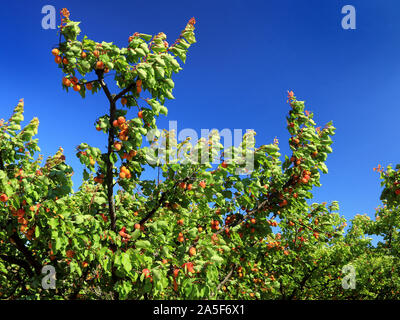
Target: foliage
(201, 231)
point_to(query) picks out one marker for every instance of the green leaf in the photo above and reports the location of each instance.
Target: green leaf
(143, 244)
(324, 168)
(37, 231)
(135, 234)
(217, 259)
(126, 262)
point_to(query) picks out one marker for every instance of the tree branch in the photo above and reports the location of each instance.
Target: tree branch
(127, 89)
(302, 283)
(100, 76)
(224, 281)
(27, 254)
(1, 162)
(18, 262)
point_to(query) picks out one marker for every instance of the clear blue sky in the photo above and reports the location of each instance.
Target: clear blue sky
(248, 54)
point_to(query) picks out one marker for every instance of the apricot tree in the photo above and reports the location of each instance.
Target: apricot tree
(219, 223)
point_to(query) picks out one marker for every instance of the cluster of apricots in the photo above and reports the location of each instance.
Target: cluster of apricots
(125, 237)
(215, 225)
(189, 267)
(277, 245)
(130, 155)
(181, 238)
(230, 219)
(185, 186)
(72, 82)
(20, 214)
(124, 173)
(99, 178)
(139, 86)
(123, 126)
(272, 223)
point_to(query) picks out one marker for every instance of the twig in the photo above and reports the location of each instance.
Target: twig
(224, 281)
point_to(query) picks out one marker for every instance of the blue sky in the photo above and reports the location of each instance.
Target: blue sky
(248, 54)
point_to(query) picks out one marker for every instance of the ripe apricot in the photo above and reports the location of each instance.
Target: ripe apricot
(192, 251)
(96, 53)
(137, 226)
(99, 65)
(188, 266)
(65, 61)
(117, 145)
(283, 203)
(314, 154)
(83, 55)
(77, 87)
(121, 120)
(55, 52)
(115, 123)
(182, 185)
(89, 86)
(140, 114)
(123, 126)
(66, 82)
(122, 175)
(124, 101)
(132, 153)
(202, 184)
(69, 253)
(224, 165)
(3, 198)
(58, 59)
